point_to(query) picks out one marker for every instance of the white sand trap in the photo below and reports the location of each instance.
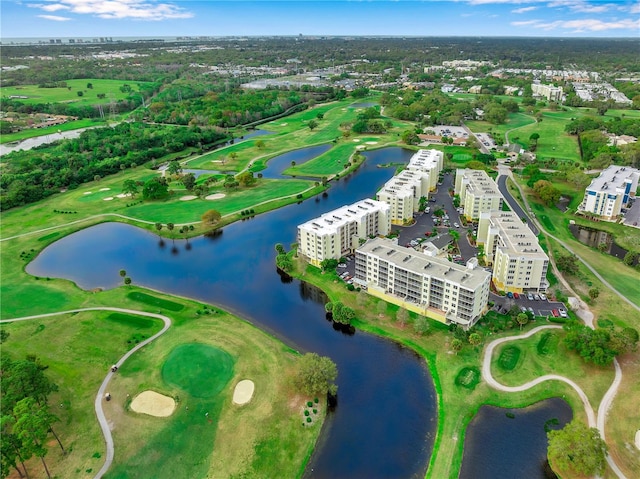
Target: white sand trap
(371, 142)
(153, 404)
(188, 198)
(243, 392)
(356, 140)
(87, 192)
(215, 196)
(360, 147)
(122, 195)
(284, 124)
(108, 198)
(638, 438)
(105, 189)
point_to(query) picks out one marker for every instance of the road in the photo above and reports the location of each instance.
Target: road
(102, 420)
(513, 204)
(593, 421)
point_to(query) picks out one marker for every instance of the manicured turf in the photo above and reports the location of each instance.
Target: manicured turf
(509, 357)
(134, 321)
(200, 370)
(468, 377)
(70, 94)
(329, 163)
(154, 301)
(548, 343)
(554, 142)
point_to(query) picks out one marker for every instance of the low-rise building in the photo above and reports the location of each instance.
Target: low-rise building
(403, 192)
(550, 92)
(610, 191)
(339, 232)
(478, 193)
(430, 286)
(519, 263)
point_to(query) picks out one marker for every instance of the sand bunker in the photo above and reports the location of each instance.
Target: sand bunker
(371, 142)
(360, 147)
(105, 189)
(356, 140)
(188, 198)
(284, 124)
(215, 196)
(87, 192)
(108, 198)
(153, 404)
(243, 392)
(122, 195)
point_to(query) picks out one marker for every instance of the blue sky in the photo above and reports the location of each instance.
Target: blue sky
(155, 18)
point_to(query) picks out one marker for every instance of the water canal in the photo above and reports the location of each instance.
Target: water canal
(386, 418)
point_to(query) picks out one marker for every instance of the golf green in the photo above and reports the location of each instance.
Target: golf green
(200, 370)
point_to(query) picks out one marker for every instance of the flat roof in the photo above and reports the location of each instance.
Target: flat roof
(479, 182)
(331, 221)
(516, 235)
(402, 183)
(425, 160)
(419, 263)
(612, 177)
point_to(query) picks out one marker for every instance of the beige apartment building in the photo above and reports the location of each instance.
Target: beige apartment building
(550, 92)
(610, 191)
(430, 286)
(478, 193)
(519, 263)
(338, 232)
(403, 192)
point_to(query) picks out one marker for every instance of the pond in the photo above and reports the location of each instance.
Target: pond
(594, 238)
(511, 442)
(276, 165)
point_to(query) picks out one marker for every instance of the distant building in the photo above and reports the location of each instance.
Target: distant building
(338, 232)
(403, 192)
(519, 263)
(610, 192)
(478, 193)
(476, 89)
(432, 287)
(550, 92)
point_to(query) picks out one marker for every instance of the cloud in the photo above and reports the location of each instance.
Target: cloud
(55, 18)
(586, 25)
(581, 6)
(524, 9)
(118, 9)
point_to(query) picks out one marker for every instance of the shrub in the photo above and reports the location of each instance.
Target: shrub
(309, 403)
(308, 419)
(306, 413)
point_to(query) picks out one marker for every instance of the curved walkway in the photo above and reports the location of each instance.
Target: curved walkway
(598, 422)
(102, 420)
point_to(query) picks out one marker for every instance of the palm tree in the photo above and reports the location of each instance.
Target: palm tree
(123, 273)
(170, 227)
(158, 229)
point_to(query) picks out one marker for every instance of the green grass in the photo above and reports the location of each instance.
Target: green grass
(70, 95)
(548, 344)
(329, 163)
(50, 130)
(468, 378)
(554, 142)
(154, 301)
(198, 369)
(134, 321)
(509, 357)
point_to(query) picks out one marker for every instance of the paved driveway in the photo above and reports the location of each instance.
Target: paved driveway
(540, 307)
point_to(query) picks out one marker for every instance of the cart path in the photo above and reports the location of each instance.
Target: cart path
(102, 420)
(597, 422)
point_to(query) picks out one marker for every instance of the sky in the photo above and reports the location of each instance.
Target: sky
(161, 18)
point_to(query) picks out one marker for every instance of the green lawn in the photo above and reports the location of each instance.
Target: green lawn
(327, 164)
(110, 88)
(554, 142)
(51, 130)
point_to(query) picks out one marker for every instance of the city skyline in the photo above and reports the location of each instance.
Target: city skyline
(162, 18)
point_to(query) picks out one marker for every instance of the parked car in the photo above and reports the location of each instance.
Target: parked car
(563, 313)
(530, 309)
(543, 297)
(342, 265)
(555, 313)
(509, 294)
(456, 225)
(516, 295)
(523, 309)
(536, 297)
(530, 297)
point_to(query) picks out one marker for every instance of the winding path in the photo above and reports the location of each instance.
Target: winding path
(597, 422)
(102, 420)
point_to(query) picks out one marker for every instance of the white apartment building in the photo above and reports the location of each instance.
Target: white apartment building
(550, 92)
(478, 193)
(610, 192)
(432, 287)
(403, 192)
(519, 263)
(338, 232)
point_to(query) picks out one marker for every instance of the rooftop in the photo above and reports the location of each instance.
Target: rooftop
(479, 182)
(613, 177)
(330, 222)
(516, 235)
(422, 264)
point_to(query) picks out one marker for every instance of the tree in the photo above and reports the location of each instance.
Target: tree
(211, 218)
(174, 167)
(189, 181)
(329, 264)
(577, 448)
(630, 258)
(260, 144)
(402, 316)
(4, 335)
(410, 137)
(90, 86)
(381, 308)
(130, 187)
(312, 124)
(567, 264)
(316, 375)
(33, 422)
(23, 378)
(155, 189)
(475, 339)
(158, 227)
(594, 293)
(246, 178)
(421, 325)
(80, 93)
(127, 280)
(522, 319)
(123, 273)
(233, 156)
(533, 139)
(456, 345)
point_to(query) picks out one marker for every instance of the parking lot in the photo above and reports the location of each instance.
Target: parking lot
(449, 130)
(486, 140)
(538, 307)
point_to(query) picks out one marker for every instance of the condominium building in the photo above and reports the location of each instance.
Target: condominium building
(611, 191)
(432, 287)
(478, 193)
(403, 192)
(338, 232)
(519, 263)
(550, 92)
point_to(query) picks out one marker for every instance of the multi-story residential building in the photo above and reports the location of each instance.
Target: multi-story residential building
(519, 263)
(338, 232)
(610, 192)
(432, 287)
(478, 193)
(403, 192)
(550, 92)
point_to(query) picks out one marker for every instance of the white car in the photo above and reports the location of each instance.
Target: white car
(543, 297)
(563, 313)
(456, 225)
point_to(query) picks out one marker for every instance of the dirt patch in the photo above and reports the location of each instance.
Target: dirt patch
(153, 404)
(188, 198)
(243, 392)
(215, 196)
